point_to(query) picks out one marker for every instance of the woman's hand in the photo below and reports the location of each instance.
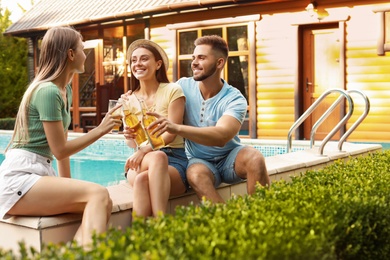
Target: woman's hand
(109, 121)
(129, 133)
(134, 161)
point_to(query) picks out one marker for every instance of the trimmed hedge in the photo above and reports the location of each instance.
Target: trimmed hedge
(339, 212)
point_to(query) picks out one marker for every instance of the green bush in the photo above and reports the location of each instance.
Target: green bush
(7, 123)
(339, 212)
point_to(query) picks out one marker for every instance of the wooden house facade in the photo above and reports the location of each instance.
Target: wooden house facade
(283, 55)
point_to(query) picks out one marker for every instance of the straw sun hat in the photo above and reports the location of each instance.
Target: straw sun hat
(135, 44)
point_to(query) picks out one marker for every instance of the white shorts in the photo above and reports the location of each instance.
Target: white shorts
(19, 171)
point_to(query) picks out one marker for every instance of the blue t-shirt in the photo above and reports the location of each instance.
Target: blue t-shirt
(203, 113)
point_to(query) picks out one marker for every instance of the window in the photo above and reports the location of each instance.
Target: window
(236, 71)
(384, 30)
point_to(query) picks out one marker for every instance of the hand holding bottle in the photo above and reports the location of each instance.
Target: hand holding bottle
(156, 141)
(162, 125)
(131, 120)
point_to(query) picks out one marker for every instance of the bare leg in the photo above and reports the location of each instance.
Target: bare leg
(53, 195)
(159, 182)
(201, 180)
(250, 164)
(152, 185)
(141, 200)
(131, 174)
(177, 185)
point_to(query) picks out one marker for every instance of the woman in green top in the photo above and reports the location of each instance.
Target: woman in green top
(28, 184)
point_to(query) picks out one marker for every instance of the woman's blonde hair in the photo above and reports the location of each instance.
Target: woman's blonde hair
(53, 60)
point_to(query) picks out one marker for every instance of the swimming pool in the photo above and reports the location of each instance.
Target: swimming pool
(103, 161)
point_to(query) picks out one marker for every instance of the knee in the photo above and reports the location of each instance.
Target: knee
(255, 159)
(191, 174)
(194, 175)
(141, 180)
(101, 195)
(159, 156)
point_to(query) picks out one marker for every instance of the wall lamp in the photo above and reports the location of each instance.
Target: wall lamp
(311, 8)
(314, 11)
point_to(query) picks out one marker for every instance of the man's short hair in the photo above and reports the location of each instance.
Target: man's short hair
(216, 42)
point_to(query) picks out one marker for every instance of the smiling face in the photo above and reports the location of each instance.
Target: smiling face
(144, 64)
(204, 63)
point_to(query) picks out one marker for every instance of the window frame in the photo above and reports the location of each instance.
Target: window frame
(383, 46)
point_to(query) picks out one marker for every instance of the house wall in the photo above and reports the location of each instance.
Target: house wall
(368, 72)
(166, 39)
(277, 61)
(277, 64)
(276, 72)
(277, 68)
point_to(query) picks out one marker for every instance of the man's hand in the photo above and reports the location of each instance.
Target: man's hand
(162, 125)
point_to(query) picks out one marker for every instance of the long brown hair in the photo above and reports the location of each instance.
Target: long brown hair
(53, 60)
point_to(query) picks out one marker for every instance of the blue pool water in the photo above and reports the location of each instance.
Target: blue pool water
(103, 161)
(102, 171)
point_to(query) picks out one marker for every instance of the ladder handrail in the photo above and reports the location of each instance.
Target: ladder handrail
(310, 110)
(339, 125)
(360, 119)
(323, 117)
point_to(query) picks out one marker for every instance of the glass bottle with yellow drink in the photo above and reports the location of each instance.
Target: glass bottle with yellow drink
(131, 120)
(155, 142)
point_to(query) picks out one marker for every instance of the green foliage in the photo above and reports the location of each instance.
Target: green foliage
(339, 212)
(13, 68)
(7, 123)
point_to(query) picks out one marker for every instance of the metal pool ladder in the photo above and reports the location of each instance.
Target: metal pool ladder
(309, 111)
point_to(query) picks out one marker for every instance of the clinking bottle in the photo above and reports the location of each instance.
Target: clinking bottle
(131, 120)
(155, 142)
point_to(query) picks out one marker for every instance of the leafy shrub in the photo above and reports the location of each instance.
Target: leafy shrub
(339, 212)
(7, 123)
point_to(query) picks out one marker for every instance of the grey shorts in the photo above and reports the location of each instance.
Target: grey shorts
(221, 167)
(19, 171)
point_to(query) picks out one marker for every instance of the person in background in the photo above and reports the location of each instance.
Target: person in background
(213, 116)
(155, 175)
(28, 183)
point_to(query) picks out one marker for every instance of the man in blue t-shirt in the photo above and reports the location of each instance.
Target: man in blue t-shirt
(213, 116)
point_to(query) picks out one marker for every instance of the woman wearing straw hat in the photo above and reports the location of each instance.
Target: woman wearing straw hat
(155, 174)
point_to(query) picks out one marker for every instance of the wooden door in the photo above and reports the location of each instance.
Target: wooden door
(84, 85)
(321, 72)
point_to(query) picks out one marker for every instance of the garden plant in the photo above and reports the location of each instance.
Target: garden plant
(339, 212)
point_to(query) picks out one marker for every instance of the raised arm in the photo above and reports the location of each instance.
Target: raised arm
(225, 129)
(175, 115)
(62, 148)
